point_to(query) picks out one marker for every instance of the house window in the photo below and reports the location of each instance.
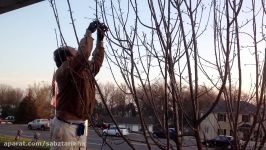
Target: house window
(245, 118)
(206, 129)
(222, 117)
(231, 132)
(221, 131)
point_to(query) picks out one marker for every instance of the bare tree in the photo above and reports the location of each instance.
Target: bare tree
(9, 99)
(187, 46)
(9, 95)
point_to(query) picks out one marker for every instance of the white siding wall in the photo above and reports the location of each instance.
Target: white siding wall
(122, 125)
(135, 127)
(209, 127)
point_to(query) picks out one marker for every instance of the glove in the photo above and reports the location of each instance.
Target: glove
(100, 32)
(93, 26)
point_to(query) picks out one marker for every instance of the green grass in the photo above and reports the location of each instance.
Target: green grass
(22, 143)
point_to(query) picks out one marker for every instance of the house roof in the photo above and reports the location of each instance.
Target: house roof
(10, 5)
(125, 120)
(244, 107)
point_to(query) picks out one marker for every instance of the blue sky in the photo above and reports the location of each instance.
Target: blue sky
(28, 40)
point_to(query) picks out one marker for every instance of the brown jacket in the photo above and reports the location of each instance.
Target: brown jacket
(76, 88)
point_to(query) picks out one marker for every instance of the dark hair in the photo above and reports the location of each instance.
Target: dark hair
(60, 55)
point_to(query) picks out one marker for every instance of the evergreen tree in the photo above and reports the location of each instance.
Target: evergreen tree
(26, 111)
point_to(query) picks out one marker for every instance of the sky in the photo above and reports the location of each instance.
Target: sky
(28, 40)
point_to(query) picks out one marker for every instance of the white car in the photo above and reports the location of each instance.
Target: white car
(7, 120)
(10, 118)
(114, 131)
(42, 124)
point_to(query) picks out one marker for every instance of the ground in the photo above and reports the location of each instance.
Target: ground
(94, 141)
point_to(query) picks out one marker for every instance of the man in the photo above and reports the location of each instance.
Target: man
(73, 89)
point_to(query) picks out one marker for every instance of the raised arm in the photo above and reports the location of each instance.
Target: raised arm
(85, 47)
(97, 58)
(98, 53)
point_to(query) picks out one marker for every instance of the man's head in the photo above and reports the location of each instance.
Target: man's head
(62, 54)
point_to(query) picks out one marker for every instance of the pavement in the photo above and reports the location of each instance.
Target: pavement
(95, 142)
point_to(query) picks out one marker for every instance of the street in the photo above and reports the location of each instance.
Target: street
(94, 141)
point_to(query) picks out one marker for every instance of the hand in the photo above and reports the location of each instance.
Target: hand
(93, 26)
(102, 28)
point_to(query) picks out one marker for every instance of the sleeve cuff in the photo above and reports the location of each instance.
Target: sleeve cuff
(88, 33)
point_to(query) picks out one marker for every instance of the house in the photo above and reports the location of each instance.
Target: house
(131, 123)
(217, 122)
(1, 110)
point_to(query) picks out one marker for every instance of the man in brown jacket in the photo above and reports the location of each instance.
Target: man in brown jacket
(74, 89)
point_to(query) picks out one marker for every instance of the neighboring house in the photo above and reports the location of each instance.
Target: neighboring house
(131, 123)
(217, 123)
(1, 109)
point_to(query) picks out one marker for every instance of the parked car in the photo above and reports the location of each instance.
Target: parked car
(102, 125)
(42, 124)
(114, 131)
(172, 133)
(221, 141)
(99, 124)
(161, 133)
(10, 118)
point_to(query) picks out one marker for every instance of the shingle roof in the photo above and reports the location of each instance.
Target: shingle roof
(244, 107)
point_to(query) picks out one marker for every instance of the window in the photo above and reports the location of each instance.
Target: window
(245, 118)
(231, 132)
(221, 131)
(206, 129)
(221, 117)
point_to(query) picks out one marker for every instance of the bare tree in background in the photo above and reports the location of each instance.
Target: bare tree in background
(41, 96)
(188, 46)
(9, 99)
(10, 95)
(35, 104)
